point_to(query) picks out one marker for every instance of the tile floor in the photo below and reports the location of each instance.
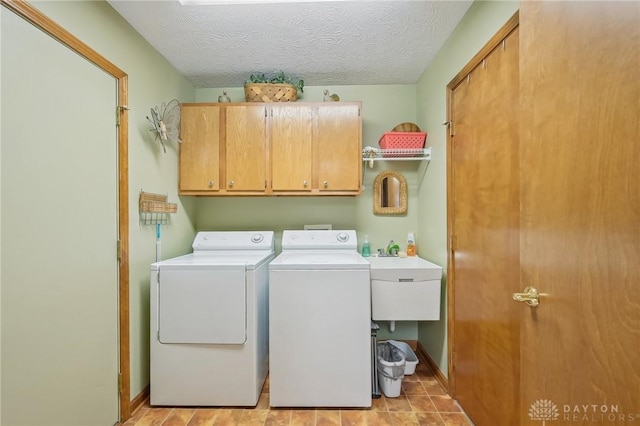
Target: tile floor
(422, 402)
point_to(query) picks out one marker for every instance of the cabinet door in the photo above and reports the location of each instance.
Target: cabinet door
(200, 148)
(246, 136)
(291, 142)
(339, 148)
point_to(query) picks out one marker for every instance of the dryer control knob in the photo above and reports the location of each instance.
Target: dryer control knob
(257, 238)
(343, 237)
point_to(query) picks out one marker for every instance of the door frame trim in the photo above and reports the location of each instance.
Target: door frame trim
(54, 30)
(494, 42)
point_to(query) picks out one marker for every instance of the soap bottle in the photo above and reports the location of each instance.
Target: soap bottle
(411, 245)
(366, 248)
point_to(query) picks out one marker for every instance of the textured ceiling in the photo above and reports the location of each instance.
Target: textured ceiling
(324, 43)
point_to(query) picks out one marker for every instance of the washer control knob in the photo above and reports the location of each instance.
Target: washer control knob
(257, 238)
(343, 237)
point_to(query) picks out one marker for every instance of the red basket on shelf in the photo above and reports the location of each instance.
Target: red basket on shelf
(403, 144)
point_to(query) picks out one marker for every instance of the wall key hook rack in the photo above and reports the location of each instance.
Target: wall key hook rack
(154, 209)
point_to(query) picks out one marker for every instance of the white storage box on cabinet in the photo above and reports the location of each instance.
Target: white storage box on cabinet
(404, 289)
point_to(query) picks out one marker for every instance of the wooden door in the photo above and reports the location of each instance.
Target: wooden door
(246, 142)
(483, 224)
(200, 148)
(580, 208)
(291, 147)
(59, 197)
(339, 159)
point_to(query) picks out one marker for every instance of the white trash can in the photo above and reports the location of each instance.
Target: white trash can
(410, 356)
(391, 367)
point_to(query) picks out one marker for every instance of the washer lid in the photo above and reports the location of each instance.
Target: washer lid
(319, 260)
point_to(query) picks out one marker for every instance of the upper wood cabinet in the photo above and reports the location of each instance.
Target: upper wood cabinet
(316, 148)
(245, 148)
(292, 129)
(275, 149)
(200, 148)
(339, 148)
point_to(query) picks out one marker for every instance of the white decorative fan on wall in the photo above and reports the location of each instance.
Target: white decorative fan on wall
(166, 122)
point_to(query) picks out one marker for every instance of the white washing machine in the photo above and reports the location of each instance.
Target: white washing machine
(319, 322)
(209, 321)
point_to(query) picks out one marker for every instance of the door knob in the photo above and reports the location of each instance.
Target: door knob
(530, 296)
(230, 184)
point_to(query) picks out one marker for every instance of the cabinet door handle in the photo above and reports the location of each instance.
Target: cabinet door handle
(325, 183)
(210, 184)
(304, 183)
(230, 184)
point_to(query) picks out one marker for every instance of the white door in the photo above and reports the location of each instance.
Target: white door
(59, 232)
(202, 305)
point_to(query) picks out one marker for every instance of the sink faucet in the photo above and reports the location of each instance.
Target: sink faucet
(392, 248)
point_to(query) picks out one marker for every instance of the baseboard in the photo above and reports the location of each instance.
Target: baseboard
(440, 377)
(139, 399)
(413, 344)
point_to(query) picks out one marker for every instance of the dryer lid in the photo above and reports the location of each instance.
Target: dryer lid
(217, 260)
(202, 306)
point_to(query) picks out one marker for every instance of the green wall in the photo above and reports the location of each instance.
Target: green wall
(479, 24)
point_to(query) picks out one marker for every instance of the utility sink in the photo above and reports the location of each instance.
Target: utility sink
(395, 268)
(404, 289)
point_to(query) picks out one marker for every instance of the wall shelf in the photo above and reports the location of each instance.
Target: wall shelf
(154, 209)
(377, 154)
(370, 155)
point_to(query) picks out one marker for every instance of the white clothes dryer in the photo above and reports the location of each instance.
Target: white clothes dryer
(209, 321)
(319, 322)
